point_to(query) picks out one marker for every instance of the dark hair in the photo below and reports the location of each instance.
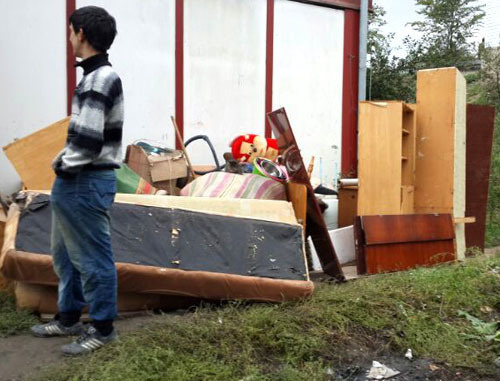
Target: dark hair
(98, 26)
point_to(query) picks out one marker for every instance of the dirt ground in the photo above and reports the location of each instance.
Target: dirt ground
(23, 356)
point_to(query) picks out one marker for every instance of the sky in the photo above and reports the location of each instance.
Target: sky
(401, 12)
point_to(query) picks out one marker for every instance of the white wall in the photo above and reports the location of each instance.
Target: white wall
(33, 75)
(224, 72)
(307, 80)
(143, 54)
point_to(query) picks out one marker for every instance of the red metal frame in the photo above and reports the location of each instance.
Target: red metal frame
(269, 64)
(70, 59)
(344, 4)
(179, 69)
(350, 94)
(350, 77)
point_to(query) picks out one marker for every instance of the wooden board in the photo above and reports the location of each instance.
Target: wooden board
(297, 194)
(480, 124)
(404, 256)
(395, 243)
(267, 210)
(464, 220)
(32, 155)
(316, 226)
(440, 164)
(407, 228)
(380, 152)
(436, 93)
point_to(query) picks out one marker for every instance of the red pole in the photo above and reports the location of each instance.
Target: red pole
(70, 58)
(269, 65)
(350, 94)
(179, 70)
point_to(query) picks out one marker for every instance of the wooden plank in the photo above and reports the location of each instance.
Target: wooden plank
(379, 166)
(269, 210)
(459, 162)
(440, 163)
(404, 256)
(32, 155)
(480, 125)
(464, 220)
(436, 92)
(436, 103)
(297, 194)
(407, 228)
(292, 159)
(395, 243)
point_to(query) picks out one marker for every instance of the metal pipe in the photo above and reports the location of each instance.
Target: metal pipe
(363, 40)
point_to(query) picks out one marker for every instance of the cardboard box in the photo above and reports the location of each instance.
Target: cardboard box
(161, 171)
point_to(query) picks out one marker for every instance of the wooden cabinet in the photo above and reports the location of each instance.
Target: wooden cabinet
(386, 166)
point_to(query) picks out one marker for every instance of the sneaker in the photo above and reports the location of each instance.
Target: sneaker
(88, 342)
(54, 328)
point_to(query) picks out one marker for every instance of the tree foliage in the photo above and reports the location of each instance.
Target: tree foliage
(386, 78)
(490, 76)
(446, 30)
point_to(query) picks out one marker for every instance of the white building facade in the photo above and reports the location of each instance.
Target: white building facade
(218, 66)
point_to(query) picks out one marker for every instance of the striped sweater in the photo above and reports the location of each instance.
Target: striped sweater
(95, 130)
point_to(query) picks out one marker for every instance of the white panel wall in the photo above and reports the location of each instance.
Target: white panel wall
(143, 54)
(224, 57)
(33, 74)
(224, 72)
(307, 80)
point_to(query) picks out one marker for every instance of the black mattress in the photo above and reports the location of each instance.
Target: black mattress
(180, 239)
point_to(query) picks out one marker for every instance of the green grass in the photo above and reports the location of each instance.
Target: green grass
(12, 321)
(298, 341)
(492, 236)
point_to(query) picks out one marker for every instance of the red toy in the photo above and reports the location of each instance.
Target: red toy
(248, 147)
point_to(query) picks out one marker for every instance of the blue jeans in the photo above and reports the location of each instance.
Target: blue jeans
(81, 244)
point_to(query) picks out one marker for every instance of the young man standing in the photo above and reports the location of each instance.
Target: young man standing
(84, 190)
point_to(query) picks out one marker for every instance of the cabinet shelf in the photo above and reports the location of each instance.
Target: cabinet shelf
(386, 169)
